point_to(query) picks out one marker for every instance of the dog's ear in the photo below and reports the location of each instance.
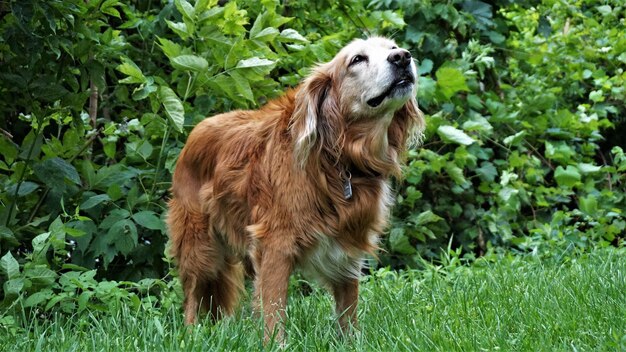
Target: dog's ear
(316, 123)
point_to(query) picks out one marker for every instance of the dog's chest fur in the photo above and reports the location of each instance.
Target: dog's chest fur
(330, 262)
(333, 259)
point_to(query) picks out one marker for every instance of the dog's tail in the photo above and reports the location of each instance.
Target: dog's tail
(211, 279)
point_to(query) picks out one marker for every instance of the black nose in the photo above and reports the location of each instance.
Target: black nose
(400, 57)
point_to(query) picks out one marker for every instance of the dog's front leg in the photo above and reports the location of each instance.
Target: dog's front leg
(346, 295)
(271, 285)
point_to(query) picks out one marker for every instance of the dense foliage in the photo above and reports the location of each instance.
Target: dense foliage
(523, 149)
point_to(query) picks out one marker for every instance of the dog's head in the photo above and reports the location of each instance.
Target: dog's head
(375, 76)
(368, 80)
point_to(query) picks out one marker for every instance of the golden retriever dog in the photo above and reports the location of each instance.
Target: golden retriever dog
(303, 182)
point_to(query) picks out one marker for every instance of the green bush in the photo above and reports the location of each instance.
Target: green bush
(515, 153)
(522, 150)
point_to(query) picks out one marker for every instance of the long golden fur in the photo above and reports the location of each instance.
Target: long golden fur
(268, 187)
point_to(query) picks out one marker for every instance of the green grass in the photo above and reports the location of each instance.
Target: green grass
(513, 304)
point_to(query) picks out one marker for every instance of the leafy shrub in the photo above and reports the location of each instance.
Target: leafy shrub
(515, 154)
(522, 149)
(97, 182)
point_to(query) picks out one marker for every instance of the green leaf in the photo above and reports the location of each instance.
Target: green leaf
(399, 242)
(487, 171)
(107, 7)
(588, 168)
(96, 74)
(541, 102)
(9, 150)
(242, 86)
(478, 123)
(567, 177)
(40, 275)
(9, 266)
(235, 19)
(496, 37)
(393, 18)
(13, 287)
(456, 174)
(426, 217)
(258, 25)
(70, 279)
(588, 205)
(425, 67)
(255, 69)
(237, 50)
(129, 68)
(267, 34)
(48, 91)
(427, 88)
(544, 27)
(508, 177)
(213, 13)
(83, 299)
(111, 11)
(115, 192)
(57, 230)
(144, 90)
(123, 236)
(451, 134)
(559, 151)
(185, 9)
(38, 297)
(170, 49)
(202, 5)
(55, 171)
(173, 107)
(148, 219)
(190, 63)
(94, 200)
(7, 236)
(145, 150)
(109, 3)
(179, 28)
(506, 194)
(26, 188)
(109, 149)
(40, 246)
(605, 10)
(515, 138)
(481, 11)
(596, 96)
(256, 62)
(54, 300)
(450, 80)
(114, 216)
(291, 36)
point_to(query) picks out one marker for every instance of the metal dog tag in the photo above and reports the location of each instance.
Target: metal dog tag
(347, 189)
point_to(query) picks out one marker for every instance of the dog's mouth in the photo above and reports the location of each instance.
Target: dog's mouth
(399, 84)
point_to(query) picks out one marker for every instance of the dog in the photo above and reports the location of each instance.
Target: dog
(303, 182)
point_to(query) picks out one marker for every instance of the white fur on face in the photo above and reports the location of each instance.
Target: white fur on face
(371, 77)
(375, 88)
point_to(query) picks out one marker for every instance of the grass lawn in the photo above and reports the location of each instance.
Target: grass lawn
(513, 304)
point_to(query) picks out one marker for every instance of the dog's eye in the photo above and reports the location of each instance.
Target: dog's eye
(394, 47)
(356, 59)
